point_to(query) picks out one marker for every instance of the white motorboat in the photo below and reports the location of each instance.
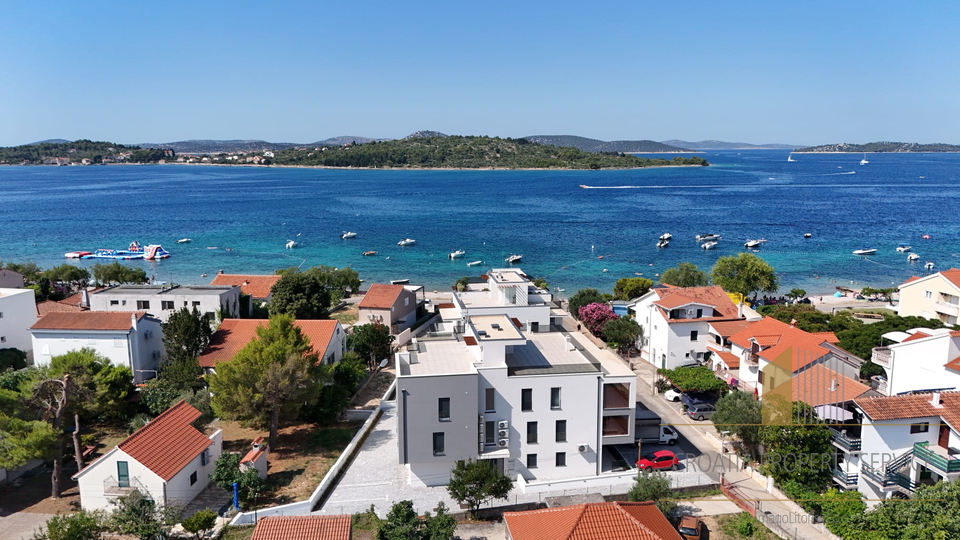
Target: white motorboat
(929, 266)
(864, 160)
(292, 244)
(903, 248)
(666, 236)
(807, 235)
(662, 243)
(457, 254)
(184, 241)
(513, 259)
(475, 263)
(864, 251)
(348, 234)
(913, 257)
(709, 237)
(407, 242)
(752, 244)
(399, 281)
(709, 245)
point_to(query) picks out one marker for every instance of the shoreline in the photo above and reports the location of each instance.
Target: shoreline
(279, 166)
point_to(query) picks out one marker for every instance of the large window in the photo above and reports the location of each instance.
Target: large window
(554, 398)
(693, 335)
(561, 459)
(490, 399)
(922, 427)
(561, 431)
(531, 461)
(526, 399)
(438, 444)
(490, 433)
(166, 304)
(193, 478)
(143, 304)
(444, 407)
(531, 432)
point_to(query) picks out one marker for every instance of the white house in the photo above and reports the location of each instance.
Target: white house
(395, 306)
(131, 339)
(539, 405)
(676, 322)
(18, 312)
(168, 459)
(905, 441)
(918, 360)
(327, 338)
(936, 296)
(506, 291)
(161, 301)
(10, 279)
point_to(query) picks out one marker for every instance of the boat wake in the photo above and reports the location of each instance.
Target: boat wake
(839, 173)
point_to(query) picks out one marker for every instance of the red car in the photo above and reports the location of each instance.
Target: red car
(661, 459)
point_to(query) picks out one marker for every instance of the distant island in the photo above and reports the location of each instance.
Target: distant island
(878, 147)
(81, 152)
(723, 145)
(597, 146)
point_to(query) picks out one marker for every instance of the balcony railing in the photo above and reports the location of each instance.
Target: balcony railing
(112, 487)
(845, 441)
(845, 479)
(948, 308)
(881, 356)
(752, 358)
(888, 480)
(944, 464)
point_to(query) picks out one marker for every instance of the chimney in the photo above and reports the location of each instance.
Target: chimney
(570, 346)
(935, 400)
(84, 299)
(220, 271)
(833, 385)
(529, 328)
(133, 320)
(793, 323)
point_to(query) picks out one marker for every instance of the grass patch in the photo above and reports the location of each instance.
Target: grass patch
(743, 526)
(697, 494)
(366, 521)
(348, 315)
(236, 533)
(331, 439)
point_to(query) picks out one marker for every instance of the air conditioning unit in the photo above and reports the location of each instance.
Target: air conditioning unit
(503, 433)
(582, 448)
(503, 424)
(503, 443)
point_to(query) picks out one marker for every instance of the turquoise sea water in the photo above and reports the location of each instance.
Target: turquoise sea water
(560, 228)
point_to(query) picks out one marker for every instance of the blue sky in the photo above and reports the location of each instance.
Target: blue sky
(800, 72)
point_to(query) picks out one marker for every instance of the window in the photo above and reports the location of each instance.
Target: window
(561, 459)
(438, 444)
(554, 398)
(561, 431)
(166, 304)
(193, 478)
(444, 407)
(204, 457)
(123, 474)
(114, 302)
(531, 461)
(196, 303)
(117, 343)
(531, 432)
(1, 314)
(3, 339)
(699, 313)
(526, 399)
(928, 295)
(143, 304)
(406, 302)
(922, 427)
(489, 398)
(490, 433)
(693, 335)
(760, 376)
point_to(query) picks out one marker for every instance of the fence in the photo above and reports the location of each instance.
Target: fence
(734, 494)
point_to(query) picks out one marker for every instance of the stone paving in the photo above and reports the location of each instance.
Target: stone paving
(21, 525)
(376, 478)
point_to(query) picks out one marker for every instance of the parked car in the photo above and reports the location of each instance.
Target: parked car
(661, 459)
(701, 411)
(672, 395)
(690, 528)
(692, 398)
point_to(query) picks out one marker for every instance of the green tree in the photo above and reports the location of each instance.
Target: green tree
(23, 440)
(118, 273)
(343, 281)
(372, 342)
(83, 525)
(269, 379)
(541, 283)
(474, 482)
(655, 487)
(629, 288)
(861, 339)
(68, 273)
(623, 331)
(302, 295)
(932, 512)
(139, 515)
(11, 358)
(186, 334)
(31, 272)
(843, 512)
(581, 298)
(798, 447)
(885, 294)
(694, 379)
(744, 274)
(402, 523)
(739, 413)
(811, 319)
(226, 470)
(335, 398)
(199, 523)
(462, 283)
(685, 275)
(53, 398)
(796, 294)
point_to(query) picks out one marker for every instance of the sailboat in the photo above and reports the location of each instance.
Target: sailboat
(790, 157)
(864, 160)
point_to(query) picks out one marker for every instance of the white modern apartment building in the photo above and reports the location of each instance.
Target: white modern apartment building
(161, 301)
(918, 360)
(676, 322)
(18, 312)
(538, 405)
(510, 292)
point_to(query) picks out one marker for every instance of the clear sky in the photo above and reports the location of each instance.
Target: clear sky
(799, 72)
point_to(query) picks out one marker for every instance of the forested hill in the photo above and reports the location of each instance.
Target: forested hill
(457, 152)
(595, 145)
(882, 146)
(70, 152)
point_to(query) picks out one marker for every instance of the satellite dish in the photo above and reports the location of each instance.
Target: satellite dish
(384, 362)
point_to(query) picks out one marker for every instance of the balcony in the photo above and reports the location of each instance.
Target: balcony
(752, 358)
(936, 458)
(616, 396)
(615, 426)
(847, 441)
(948, 309)
(881, 356)
(114, 488)
(844, 479)
(888, 481)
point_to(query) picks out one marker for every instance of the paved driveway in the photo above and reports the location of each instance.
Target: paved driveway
(21, 525)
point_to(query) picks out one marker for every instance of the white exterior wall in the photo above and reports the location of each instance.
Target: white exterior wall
(748, 373)
(942, 304)
(338, 343)
(919, 365)
(181, 298)
(91, 482)
(10, 279)
(524, 314)
(18, 312)
(883, 441)
(179, 488)
(670, 339)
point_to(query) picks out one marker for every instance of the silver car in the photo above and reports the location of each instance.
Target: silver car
(701, 411)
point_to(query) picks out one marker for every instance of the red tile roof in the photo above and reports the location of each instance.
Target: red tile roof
(953, 364)
(812, 386)
(303, 528)
(915, 336)
(235, 334)
(168, 443)
(913, 406)
(711, 296)
(728, 328)
(778, 337)
(597, 521)
(257, 286)
(88, 320)
(255, 452)
(952, 275)
(829, 337)
(911, 280)
(730, 359)
(381, 296)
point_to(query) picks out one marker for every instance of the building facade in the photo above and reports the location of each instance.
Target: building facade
(395, 306)
(160, 301)
(18, 312)
(936, 296)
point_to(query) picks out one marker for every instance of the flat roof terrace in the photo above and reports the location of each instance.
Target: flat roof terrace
(508, 276)
(495, 327)
(436, 357)
(212, 290)
(482, 299)
(548, 353)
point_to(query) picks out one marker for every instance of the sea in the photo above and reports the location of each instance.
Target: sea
(239, 219)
